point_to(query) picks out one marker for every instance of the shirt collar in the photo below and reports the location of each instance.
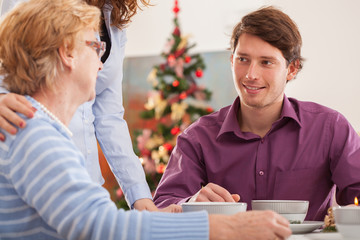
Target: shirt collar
(230, 122)
(289, 111)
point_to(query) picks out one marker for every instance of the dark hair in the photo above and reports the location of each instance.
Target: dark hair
(123, 10)
(274, 27)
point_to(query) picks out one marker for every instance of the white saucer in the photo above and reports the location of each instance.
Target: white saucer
(305, 227)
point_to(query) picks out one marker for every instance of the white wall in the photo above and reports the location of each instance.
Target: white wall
(331, 38)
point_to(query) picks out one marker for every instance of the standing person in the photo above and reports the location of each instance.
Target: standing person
(265, 145)
(101, 119)
(45, 190)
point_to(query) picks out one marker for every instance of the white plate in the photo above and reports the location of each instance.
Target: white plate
(305, 227)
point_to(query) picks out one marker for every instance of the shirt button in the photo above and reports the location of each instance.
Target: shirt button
(262, 140)
(88, 151)
(261, 173)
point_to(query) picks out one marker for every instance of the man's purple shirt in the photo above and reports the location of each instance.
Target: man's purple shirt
(308, 150)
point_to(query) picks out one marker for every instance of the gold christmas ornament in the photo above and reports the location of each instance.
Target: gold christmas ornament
(184, 42)
(156, 102)
(152, 77)
(178, 110)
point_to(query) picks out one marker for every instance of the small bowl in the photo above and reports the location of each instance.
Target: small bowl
(293, 210)
(227, 208)
(347, 220)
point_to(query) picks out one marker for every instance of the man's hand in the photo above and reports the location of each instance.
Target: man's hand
(148, 205)
(173, 208)
(11, 103)
(250, 225)
(214, 193)
(145, 204)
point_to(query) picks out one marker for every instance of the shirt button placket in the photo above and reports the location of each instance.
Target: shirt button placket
(261, 168)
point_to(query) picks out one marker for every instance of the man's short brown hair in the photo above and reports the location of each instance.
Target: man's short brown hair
(276, 28)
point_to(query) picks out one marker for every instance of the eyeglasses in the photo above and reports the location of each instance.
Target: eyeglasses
(98, 46)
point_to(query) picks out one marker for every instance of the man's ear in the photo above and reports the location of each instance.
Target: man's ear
(293, 69)
(66, 56)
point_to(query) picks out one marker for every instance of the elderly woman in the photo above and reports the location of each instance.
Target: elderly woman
(101, 119)
(49, 53)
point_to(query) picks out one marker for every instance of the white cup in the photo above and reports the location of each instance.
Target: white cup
(347, 221)
(293, 210)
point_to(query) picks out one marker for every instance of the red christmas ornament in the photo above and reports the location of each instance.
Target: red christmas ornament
(145, 152)
(209, 109)
(176, 31)
(176, 83)
(119, 193)
(163, 120)
(168, 146)
(199, 73)
(179, 52)
(171, 58)
(183, 95)
(162, 67)
(175, 130)
(160, 168)
(187, 59)
(176, 8)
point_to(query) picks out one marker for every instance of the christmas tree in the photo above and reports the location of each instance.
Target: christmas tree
(175, 101)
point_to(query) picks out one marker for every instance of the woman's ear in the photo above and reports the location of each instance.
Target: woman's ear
(66, 56)
(293, 69)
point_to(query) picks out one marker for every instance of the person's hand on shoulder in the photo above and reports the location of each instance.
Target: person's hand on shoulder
(249, 225)
(214, 193)
(10, 104)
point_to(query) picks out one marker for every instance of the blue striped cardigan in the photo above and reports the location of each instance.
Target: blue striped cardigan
(46, 193)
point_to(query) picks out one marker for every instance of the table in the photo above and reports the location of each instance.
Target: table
(316, 236)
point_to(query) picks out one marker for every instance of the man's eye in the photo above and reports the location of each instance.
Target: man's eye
(265, 62)
(241, 59)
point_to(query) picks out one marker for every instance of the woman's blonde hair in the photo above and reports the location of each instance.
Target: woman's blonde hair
(32, 33)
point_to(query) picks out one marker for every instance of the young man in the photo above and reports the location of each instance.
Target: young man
(45, 190)
(265, 145)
